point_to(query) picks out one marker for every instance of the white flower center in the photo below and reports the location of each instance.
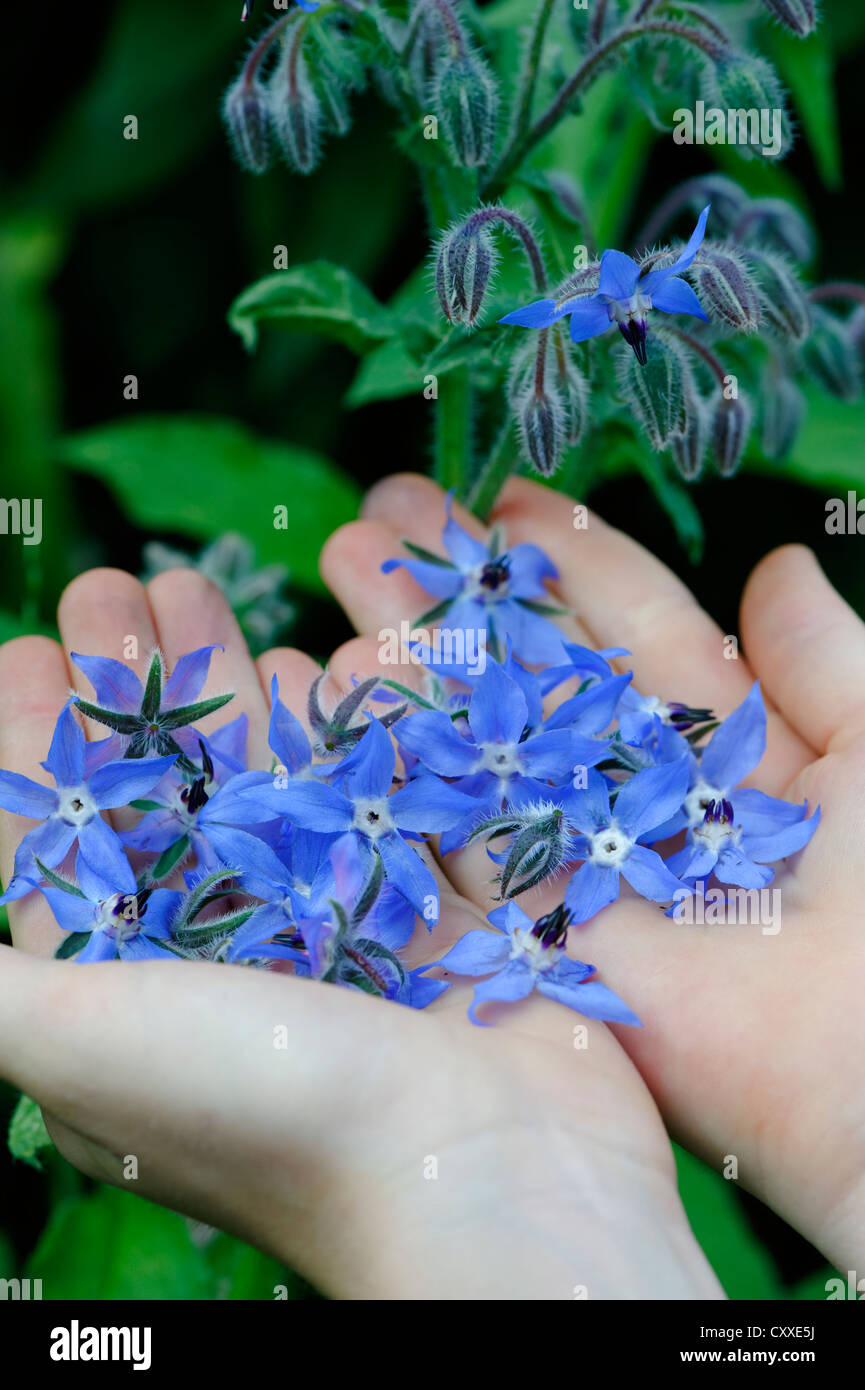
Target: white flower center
(525, 946)
(75, 805)
(373, 818)
(501, 759)
(609, 848)
(623, 310)
(714, 835)
(697, 802)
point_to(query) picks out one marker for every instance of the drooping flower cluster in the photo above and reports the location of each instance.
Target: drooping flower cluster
(319, 865)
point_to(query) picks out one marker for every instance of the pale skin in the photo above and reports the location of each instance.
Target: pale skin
(554, 1169)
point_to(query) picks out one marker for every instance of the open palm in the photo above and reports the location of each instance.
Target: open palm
(382, 1152)
(752, 1042)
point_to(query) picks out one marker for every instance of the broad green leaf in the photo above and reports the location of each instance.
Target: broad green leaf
(385, 374)
(203, 475)
(27, 1132)
(113, 1245)
(828, 449)
(741, 1263)
(315, 298)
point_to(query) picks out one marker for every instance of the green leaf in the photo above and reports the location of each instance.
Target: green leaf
(72, 944)
(170, 858)
(27, 1132)
(317, 298)
(742, 1265)
(113, 1245)
(828, 448)
(244, 1273)
(57, 882)
(147, 805)
(203, 475)
(385, 374)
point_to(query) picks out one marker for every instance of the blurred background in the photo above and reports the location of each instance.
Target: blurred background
(119, 259)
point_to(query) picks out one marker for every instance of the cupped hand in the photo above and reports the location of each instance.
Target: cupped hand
(382, 1152)
(753, 1040)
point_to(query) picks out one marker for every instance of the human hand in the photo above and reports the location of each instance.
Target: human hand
(554, 1171)
(752, 1043)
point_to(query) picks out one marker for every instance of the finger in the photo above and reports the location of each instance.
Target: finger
(34, 685)
(295, 673)
(190, 611)
(628, 598)
(414, 508)
(808, 648)
(104, 612)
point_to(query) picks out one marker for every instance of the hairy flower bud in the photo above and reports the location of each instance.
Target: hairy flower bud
(774, 224)
(783, 412)
(730, 425)
(296, 111)
(782, 300)
(725, 287)
(655, 393)
(689, 447)
(246, 113)
(830, 354)
(749, 87)
(574, 392)
(540, 845)
(537, 408)
(799, 16)
(464, 266)
(465, 99)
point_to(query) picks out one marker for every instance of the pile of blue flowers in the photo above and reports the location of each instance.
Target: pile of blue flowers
(312, 866)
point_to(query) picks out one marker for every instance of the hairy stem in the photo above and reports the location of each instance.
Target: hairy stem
(496, 469)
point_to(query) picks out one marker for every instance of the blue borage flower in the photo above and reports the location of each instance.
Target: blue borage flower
(624, 297)
(521, 956)
(485, 589)
(313, 865)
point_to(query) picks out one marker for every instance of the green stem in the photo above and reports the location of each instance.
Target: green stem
(530, 72)
(492, 477)
(453, 430)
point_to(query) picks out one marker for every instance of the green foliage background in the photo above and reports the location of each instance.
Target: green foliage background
(122, 257)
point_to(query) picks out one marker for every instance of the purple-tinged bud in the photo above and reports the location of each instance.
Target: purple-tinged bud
(465, 99)
(749, 88)
(541, 425)
(783, 413)
(655, 392)
(725, 287)
(246, 112)
(799, 16)
(782, 300)
(464, 267)
(689, 447)
(830, 355)
(730, 425)
(296, 111)
(773, 224)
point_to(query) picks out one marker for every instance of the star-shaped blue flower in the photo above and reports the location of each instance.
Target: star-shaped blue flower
(623, 297)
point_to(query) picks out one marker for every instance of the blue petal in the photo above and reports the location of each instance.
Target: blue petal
(510, 917)
(26, 798)
(186, 681)
(407, 872)
(737, 745)
(432, 737)
(649, 876)
(539, 314)
(619, 275)
(733, 867)
(768, 849)
(116, 784)
(367, 771)
(590, 998)
(103, 850)
(117, 688)
(535, 638)
(592, 711)
(555, 754)
(675, 296)
(589, 319)
(498, 712)
(589, 807)
(464, 550)
(513, 983)
(654, 278)
(73, 914)
(101, 946)
(65, 759)
(286, 735)
(310, 805)
(96, 886)
(477, 953)
(528, 567)
(246, 854)
(442, 581)
(591, 888)
(651, 797)
(427, 805)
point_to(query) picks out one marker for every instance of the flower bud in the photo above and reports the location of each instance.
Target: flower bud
(296, 111)
(799, 16)
(774, 224)
(464, 266)
(537, 409)
(726, 289)
(655, 393)
(246, 113)
(574, 392)
(729, 428)
(465, 101)
(749, 87)
(783, 412)
(689, 447)
(782, 299)
(830, 354)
